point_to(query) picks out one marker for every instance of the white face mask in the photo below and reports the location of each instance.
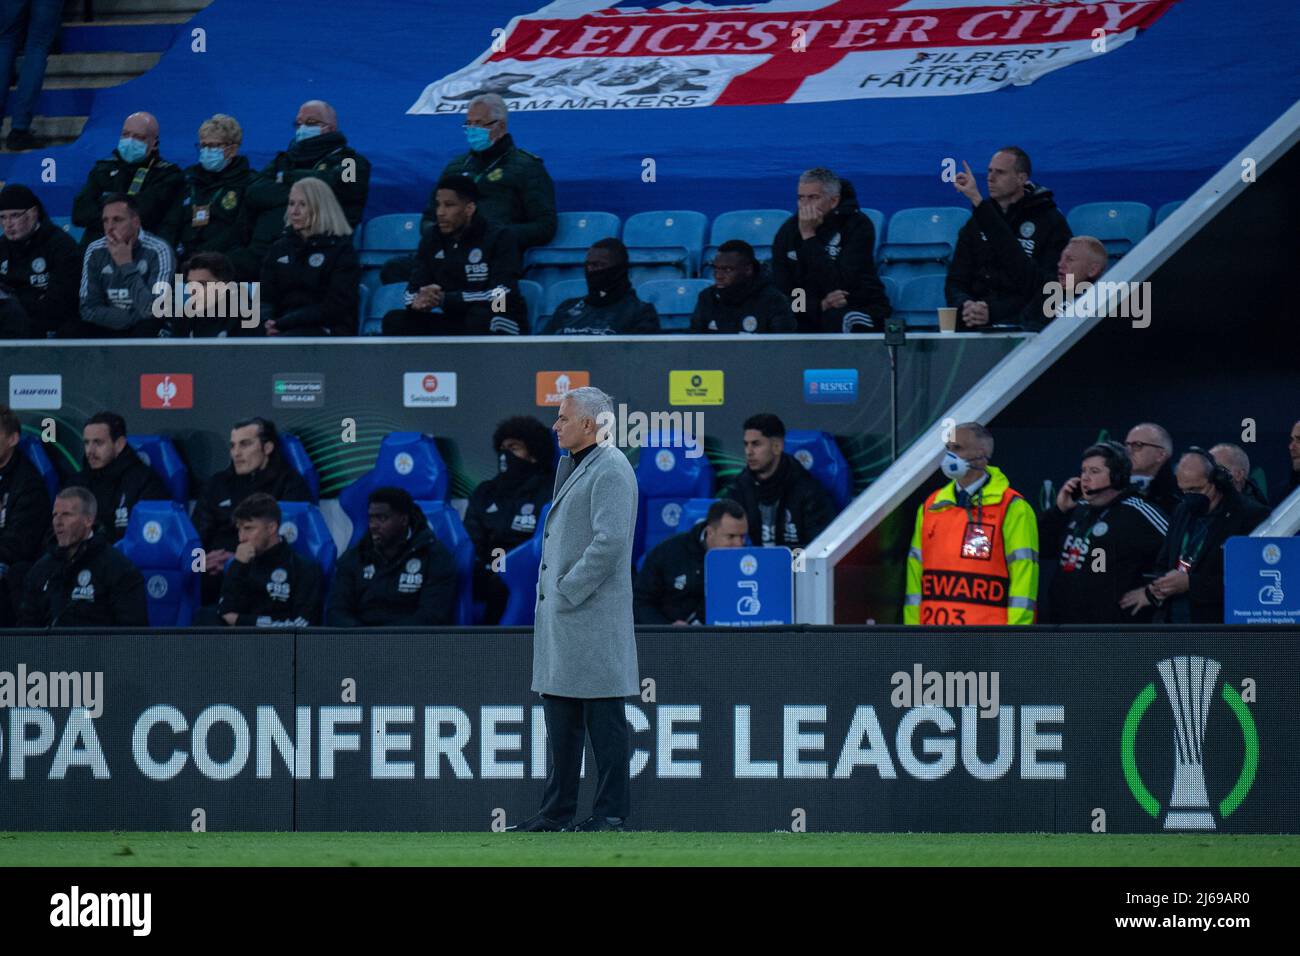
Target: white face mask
(954, 466)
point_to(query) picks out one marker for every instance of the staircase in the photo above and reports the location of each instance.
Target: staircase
(103, 43)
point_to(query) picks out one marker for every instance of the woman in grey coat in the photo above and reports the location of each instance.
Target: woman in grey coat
(584, 645)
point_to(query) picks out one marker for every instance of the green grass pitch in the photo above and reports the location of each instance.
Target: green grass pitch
(641, 849)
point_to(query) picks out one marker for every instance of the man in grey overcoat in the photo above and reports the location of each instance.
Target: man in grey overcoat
(584, 645)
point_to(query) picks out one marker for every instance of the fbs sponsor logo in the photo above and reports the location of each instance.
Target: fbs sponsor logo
(297, 389)
(830, 386)
(166, 390)
(695, 387)
(1190, 683)
(553, 386)
(429, 389)
(35, 391)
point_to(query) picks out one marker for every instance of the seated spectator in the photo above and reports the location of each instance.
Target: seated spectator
(212, 203)
(82, 580)
(502, 512)
(399, 575)
(823, 258)
(113, 472)
(669, 588)
(213, 277)
(318, 151)
(24, 515)
(256, 465)
(1190, 589)
(611, 306)
(268, 583)
(1237, 462)
(40, 268)
(135, 169)
(1106, 538)
(1082, 260)
(742, 297)
(784, 505)
(468, 269)
(1009, 249)
(311, 276)
(31, 32)
(118, 275)
(1293, 447)
(1150, 449)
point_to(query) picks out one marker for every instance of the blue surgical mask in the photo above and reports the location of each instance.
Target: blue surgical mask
(304, 131)
(131, 150)
(478, 137)
(954, 466)
(212, 158)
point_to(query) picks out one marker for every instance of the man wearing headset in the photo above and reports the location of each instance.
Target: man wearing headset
(1106, 536)
(974, 555)
(1190, 588)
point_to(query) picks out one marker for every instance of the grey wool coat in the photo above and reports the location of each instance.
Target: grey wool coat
(584, 644)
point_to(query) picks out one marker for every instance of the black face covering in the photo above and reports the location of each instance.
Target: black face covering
(514, 469)
(607, 285)
(1197, 504)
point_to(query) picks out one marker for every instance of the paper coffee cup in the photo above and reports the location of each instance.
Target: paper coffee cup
(948, 319)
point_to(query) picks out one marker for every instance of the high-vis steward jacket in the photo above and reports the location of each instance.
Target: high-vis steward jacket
(974, 565)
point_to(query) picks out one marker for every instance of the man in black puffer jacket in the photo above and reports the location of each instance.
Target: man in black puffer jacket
(824, 259)
(503, 511)
(40, 268)
(742, 297)
(113, 472)
(1010, 247)
(785, 505)
(400, 575)
(611, 305)
(268, 584)
(669, 588)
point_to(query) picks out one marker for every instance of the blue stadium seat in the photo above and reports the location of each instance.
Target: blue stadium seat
(1164, 211)
(158, 452)
(878, 220)
(666, 478)
(382, 301)
(756, 226)
(918, 299)
(674, 517)
(36, 454)
(407, 460)
(65, 223)
(304, 527)
(891, 289)
(1119, 225)
(388, 236)
(363, 292)
(921, 240)
(445, 523)
(819, 453)
(358, 236)
(562, 258)
(533, 294)
(674, 300)
(555, 294)
(160, 541)
(520, 576)
(298, 459)
(665, 244)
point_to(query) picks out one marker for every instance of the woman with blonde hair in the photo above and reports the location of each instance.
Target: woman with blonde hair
(212, 203)
(311, 274)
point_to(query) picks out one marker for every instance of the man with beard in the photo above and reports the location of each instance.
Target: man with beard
(399, 575)
(611, 306)
(742, 298)
(114, 474)
(502, 512)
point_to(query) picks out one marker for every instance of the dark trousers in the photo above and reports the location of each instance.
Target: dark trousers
(568, 721)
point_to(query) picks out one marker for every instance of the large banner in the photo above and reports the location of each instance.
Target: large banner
(590, 55)
(1121, 731)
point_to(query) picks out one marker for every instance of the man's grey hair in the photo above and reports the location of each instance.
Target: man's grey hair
(829, 182)
(1235, 454)
(89, 506)
(981, 434)
(497, 108)
(1162, 435)
(591, 402)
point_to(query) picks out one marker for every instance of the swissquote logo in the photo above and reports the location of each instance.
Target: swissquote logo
(597, 54)
(1189, 684)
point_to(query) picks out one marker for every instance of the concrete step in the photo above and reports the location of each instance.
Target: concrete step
(125, 65)
(115, 8)
(51, 130)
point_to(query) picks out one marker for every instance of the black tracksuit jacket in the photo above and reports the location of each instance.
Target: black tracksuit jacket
(98, 587)
(416, 588)
(278, 588)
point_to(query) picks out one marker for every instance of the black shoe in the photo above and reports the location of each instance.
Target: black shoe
(538, 824)
(20, 139)
(600, 825)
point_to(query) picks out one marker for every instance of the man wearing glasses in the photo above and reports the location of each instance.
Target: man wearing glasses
(212, 205)
(1150, 449)
(40, 268)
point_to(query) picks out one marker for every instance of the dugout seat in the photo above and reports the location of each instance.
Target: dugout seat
(387, 236)
(666, 478)
(40, 460)
(674, 300)
(382, 301)
(304, 527)
(408, 460)
(161, 542)
(755, 226)
(555, 294)
(158, 452)
(1119, 225)
(298, 459)
(918, 301)
(665, 244)
(445, 523)
(921, 241)
(563, 257)
(819, 453)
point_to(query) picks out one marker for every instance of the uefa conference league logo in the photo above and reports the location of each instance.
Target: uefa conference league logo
(1189, 682)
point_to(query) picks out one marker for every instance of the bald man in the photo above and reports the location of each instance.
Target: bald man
(137, 169)
(1234, 458)
(318, 150)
